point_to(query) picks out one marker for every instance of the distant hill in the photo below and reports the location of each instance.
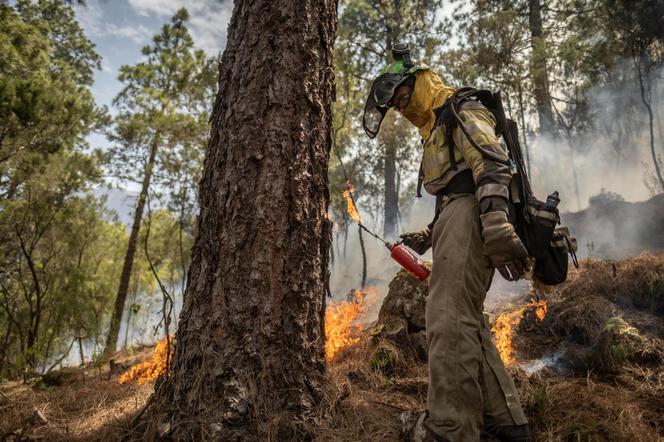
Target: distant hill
(617, 228)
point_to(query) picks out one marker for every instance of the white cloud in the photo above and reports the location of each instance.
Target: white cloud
(90, 18)
(95, 23)
(106, 66)
(139, 34)
(208, 20)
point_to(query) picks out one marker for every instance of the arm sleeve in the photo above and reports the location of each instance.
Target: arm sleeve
(491, 177)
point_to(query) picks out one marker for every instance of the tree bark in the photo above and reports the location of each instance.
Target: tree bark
(249, 360)
(538, 68)
(391, 195)
(121, 297)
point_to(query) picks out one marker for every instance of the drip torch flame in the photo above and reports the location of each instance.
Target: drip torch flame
(503, 329)
(345, 320)
(350, 202)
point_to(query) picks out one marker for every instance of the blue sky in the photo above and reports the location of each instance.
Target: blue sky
(120, 28)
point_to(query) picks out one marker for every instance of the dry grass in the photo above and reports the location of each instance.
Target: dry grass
(371, 383)
(584, 409)
(92, 409)
(362, 404)
(97, 410)
(609, 320)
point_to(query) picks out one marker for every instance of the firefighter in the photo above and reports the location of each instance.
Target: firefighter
(471, 236)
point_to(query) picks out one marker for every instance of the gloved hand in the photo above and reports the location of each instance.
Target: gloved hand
(420, 242)
(505, 249)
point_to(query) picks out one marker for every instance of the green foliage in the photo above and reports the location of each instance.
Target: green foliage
(367, 31)
(45, 101)
(56, 250)
(168, 259)
(165, 104)
(165, 100)
(160, 134)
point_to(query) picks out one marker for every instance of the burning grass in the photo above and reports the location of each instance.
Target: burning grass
(609, 312)
(505, 326)
(150, 370)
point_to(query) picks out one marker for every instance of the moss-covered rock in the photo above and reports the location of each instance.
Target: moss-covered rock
(401, 319)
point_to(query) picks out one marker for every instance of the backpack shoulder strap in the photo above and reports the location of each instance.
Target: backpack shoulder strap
(420, 176)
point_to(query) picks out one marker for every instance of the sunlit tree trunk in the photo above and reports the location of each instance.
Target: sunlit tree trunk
(121, 297)
(249, 359)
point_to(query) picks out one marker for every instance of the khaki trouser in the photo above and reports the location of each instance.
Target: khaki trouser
(468, 384)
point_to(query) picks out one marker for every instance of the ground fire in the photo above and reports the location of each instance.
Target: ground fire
(149, 370)
(346, 320)
(506, 324)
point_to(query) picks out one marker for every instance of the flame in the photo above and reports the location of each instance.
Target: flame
(149, 370)
(345, 320)
(540, 308)
(350, 202)
(503, 329)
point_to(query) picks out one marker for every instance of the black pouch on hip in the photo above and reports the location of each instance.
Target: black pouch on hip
(551, 268)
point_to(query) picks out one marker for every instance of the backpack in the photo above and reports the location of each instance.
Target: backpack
(534, 221)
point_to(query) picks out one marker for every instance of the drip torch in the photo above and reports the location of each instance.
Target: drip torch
(400, 254)
(398, 251)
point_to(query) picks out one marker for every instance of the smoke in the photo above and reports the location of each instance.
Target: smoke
(611, 155)
(610, 158)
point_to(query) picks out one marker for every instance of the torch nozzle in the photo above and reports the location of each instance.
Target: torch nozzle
(371, 233)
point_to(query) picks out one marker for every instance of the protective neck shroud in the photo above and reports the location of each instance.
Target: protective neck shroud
(430, 93)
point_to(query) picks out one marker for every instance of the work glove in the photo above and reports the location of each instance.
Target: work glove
(420, 242)
(506, 251)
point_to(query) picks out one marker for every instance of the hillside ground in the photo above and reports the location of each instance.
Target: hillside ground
(593, 369)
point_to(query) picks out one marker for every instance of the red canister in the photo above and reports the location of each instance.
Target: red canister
(408, 261)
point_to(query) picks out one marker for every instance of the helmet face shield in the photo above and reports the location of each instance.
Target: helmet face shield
(382, 90)
(372, 119)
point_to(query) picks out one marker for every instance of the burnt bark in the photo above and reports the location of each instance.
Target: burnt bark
(538, 68)
(121, 297)
(249, 360)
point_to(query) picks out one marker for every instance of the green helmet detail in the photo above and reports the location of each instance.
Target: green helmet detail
(398, 67)
(383, 87)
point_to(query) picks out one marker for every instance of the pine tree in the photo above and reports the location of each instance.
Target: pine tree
(156, 124)
(249, 361)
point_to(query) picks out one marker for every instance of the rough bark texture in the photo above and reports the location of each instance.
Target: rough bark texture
(538, 69)
(121, 297)
(249, 360)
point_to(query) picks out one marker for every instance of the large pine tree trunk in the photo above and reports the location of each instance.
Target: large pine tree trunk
(121, 297)
(249, 360)
(538, 68)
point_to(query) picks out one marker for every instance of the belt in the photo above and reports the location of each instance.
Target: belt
(461, 183)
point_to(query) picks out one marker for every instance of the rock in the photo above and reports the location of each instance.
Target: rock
(400, 331)
(406, 299)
